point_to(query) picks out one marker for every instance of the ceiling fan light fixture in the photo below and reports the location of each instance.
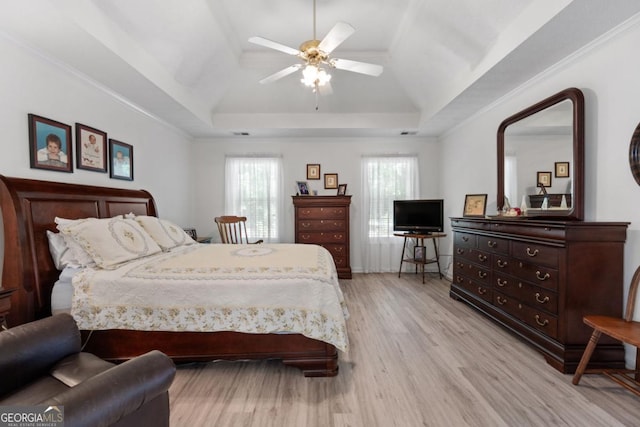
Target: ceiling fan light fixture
(314, 76)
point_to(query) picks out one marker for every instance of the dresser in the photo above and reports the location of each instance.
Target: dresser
(539, 278)
(324, 220)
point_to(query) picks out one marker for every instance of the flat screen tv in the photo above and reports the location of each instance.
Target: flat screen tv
(418, 216)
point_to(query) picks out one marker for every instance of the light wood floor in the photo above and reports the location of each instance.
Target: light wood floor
(417, 358)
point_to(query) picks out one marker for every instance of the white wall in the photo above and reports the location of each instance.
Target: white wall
(335, 155)
(30, 83)
(607, 73)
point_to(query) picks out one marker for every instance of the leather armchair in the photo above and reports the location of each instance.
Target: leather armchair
(41, 363)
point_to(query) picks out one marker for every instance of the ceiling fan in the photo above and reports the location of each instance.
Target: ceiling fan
(315, 56)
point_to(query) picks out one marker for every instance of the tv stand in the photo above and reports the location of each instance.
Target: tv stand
(420, 259)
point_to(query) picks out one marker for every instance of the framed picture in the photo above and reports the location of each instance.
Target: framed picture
(543, 179)
(303, 188)
(313, 171)
(50, 144)
(330, 180)
(419, 253)
(191, 232)
(342, 189)
(562, 169)
(91, 148)
(120, 160)
(475, 205)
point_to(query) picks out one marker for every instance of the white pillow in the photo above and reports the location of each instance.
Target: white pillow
(166, 234)
(60, 253)
(112, 241)
(80, 257)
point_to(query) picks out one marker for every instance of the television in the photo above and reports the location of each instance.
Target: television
(418, 216)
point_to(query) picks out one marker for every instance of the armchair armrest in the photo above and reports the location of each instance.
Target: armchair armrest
(29, 350)
(108, 397)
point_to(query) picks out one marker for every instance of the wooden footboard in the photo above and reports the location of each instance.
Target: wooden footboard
(314, 358)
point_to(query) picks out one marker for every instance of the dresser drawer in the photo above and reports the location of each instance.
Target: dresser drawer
(321, 237)
(464, 240)
(477, 273)
(480, 290)
(533, 296)
(337, 212)
(336, 250)
(493, 244)
(322, 224)
(537, 254)
(536, 274)
(540, 320)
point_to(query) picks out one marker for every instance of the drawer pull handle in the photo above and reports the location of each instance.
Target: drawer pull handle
(502, 283)
(465, 238)
(530, 253)
(482, 258)
(459, 264)
(482, 274)
(502, 264)
(459, 279)
(492, 244)
(481, 290)
(542, 278)
(501, 301)
(459, 251)
(545, 322)
(543, 300)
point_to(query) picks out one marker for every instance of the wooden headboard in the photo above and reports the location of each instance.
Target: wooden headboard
(28, 210)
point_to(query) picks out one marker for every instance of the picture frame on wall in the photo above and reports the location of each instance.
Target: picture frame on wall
(120, 160)
(91, 148)
(475, 205)
(313, 171)
(50, 144)
(330, 180)
(543, 179)
(562, 169)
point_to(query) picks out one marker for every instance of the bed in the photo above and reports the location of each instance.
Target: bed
(29, 208)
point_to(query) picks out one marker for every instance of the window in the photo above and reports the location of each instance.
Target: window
(385, 179)
(253, 188)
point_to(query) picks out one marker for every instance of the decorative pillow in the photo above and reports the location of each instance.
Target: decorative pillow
(80, 257)
(112, 241)
(60, 253)
(166, 234)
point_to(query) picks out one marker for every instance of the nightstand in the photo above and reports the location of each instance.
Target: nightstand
(5, 306)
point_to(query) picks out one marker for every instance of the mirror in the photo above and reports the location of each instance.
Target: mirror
(541, 158)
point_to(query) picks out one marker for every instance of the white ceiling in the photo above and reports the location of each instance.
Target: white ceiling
(189, 62)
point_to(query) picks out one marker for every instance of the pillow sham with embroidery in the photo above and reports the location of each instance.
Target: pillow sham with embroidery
(166, 234)
(112, 241)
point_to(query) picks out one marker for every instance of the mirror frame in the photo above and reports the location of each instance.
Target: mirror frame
(577, 205)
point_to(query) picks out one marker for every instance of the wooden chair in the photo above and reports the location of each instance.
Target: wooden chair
(625, 330)
(233, 229)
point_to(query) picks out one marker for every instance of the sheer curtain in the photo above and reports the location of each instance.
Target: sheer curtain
(511, 180)
(254, 188)
(385, 179)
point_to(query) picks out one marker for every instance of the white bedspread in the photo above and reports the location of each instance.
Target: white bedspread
(266, 288)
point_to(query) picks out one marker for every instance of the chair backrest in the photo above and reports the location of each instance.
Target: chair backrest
(631, 297)
(232, 229)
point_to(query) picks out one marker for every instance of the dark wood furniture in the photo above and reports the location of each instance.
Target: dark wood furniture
(422, 260)
(538, 278)
(5, 306)
(624, 329)
(324, 221)
(29, 208)
(553, 200)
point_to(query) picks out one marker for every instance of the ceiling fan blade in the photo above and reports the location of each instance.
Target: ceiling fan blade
(280, 74)
(273, 45)
(357, 67)
(339, 33)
